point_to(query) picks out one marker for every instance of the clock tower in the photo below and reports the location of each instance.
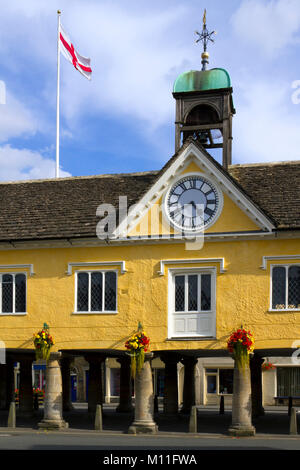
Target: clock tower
(204, 106)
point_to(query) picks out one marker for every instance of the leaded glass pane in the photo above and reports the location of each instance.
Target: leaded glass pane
(110, 291)
(205, 292)
(179, 293)
(82, 292)
(20, 293)
(193, 292)
(288, 381)
(7, 293)
(96, 292)
(294, 287)
(278, 287)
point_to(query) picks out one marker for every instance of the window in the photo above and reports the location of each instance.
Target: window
(159, 382)
(96, 291)
(219, 381)
(192, 303)
(285, 287)
(114, 382)
(211, 383)
(288, 381)
(12, 293)
(192, 292)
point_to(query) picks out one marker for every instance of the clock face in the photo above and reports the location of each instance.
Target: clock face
(192, 203)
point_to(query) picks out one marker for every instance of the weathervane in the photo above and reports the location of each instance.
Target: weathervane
(205, 36)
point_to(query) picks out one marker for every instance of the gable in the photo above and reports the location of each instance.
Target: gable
(237, 212)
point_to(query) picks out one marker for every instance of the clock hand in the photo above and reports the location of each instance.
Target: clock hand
(198, 209)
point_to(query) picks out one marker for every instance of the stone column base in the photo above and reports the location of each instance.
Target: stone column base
(143, 427)
(241, 431)
(53, 424)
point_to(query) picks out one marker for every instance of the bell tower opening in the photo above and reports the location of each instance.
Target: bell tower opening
(199, 125)
(204, 106)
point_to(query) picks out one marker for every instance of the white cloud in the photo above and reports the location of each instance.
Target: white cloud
(269, 26)
(24, 164)
(16, 119)
(266, 126)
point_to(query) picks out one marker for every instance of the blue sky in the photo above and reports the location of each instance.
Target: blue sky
(123, 119)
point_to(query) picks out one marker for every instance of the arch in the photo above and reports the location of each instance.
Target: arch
(202, 113)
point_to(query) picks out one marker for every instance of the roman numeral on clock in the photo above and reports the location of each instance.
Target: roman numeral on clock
(208, 211)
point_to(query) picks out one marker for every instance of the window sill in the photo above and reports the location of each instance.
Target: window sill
(190, 338)
(18, 314)
(95, 313)
(281, 310)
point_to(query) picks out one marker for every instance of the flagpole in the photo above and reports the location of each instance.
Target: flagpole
(57, 95)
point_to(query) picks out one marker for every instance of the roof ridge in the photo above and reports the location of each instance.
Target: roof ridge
(283, 162)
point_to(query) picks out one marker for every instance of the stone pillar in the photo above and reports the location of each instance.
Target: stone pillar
(125, 405)
(95, 394)
(241, 403)
(256, 386)
(144, 401)
(3, 370)
(171, 384)
(25, 391)
(66, 382)
(188, 384)
(10, 382)
(53, 403)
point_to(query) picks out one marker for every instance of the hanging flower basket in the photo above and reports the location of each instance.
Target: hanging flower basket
(241, 345)
(43, 343)
(137, 345)
(268, 366)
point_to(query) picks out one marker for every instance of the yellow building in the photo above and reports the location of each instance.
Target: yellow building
(202, 249)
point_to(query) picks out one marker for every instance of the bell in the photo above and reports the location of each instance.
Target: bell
(203, 138)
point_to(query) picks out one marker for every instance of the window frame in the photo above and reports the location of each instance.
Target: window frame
(282, 366)
(95, 312)
(286, 308)
(172, 273)
(218, 381)
(14, 274)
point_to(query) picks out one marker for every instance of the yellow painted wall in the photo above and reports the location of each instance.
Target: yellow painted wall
(242, 296)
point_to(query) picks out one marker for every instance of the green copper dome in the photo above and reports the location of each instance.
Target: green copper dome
(202, 80)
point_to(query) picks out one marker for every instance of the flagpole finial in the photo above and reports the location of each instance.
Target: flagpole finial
(58, 12)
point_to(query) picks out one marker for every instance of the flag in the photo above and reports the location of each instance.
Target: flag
(82, 64)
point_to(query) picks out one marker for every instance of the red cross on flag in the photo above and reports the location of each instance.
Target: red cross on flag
(82, 64)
